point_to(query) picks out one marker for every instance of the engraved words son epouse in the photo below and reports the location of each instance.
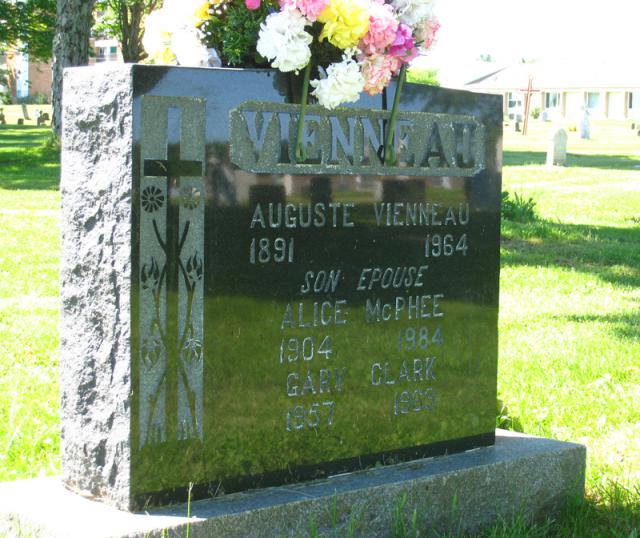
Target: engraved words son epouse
(292, 320)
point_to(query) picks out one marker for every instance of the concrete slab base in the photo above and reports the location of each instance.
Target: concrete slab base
(468, 491)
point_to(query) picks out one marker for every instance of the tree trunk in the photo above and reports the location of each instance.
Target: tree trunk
(70, 47)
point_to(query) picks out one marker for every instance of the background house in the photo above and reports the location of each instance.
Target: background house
(24, 79)
(608, 91)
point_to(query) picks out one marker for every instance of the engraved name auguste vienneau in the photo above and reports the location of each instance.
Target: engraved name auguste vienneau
(349, 141)
(170, 365)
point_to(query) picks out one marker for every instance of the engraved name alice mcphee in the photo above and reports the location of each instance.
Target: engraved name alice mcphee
(347, 141)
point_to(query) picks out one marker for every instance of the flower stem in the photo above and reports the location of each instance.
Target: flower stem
(389, 146)
(300, 153)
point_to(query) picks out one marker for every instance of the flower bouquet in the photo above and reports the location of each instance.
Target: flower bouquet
(351, 45)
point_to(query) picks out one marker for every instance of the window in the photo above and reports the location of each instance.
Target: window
(113, 50)
(593, 99)
(634, 100)
(551, 100)
(514, 101)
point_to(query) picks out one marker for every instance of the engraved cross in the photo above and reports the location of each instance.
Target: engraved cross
(172, 169)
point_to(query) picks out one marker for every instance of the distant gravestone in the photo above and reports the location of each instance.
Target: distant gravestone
(233, 318)
(585, 124)
(557, 147)
(41, 118)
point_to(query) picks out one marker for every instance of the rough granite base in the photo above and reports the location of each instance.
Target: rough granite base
(520, 475)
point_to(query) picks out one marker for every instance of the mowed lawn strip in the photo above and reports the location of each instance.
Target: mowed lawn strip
(570, 308)
(29, 304)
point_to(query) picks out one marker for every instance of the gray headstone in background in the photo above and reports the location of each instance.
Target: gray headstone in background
(585, 124)
(557, 147)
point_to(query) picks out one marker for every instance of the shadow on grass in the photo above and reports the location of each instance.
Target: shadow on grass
(23, 136)
(611, 509)
(610, 162)
(611, 254)
(625, 326)
(26, 163)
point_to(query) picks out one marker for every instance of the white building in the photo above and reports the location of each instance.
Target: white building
(606, 90)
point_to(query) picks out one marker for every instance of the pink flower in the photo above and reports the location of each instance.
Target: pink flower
(377, 71)
(426, 33)
(404, 47)
(309, 8)
(383, 27)
(252, 4)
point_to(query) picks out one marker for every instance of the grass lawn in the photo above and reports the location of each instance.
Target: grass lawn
(569, 320)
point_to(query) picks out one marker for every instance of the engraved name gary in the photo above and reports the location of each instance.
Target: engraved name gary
(349, 141)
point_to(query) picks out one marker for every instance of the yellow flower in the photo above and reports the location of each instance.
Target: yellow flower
(202, 12)
(167, 57)
(345, 22)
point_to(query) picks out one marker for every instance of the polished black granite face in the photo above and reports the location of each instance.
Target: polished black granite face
(294, 320)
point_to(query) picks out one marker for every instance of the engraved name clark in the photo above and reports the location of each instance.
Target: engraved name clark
(349, 141)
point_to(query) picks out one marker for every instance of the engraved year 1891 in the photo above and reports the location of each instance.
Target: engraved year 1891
(267, 250)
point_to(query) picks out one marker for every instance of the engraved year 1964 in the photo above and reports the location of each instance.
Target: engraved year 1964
(437, 245)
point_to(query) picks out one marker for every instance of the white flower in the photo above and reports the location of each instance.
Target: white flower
(343, 84)
(186, 44)
(413, 12)
(283, 40)
(157, 33)
(168, 40)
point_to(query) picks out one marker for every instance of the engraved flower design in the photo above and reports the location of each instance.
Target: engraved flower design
(190, 197)
(150, 275)
(152, 199)
(192, 349)
(152, 349)
(194, 269)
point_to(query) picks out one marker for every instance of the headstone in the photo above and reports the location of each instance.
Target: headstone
(234, 319)
(557, 147)
(585, 124)
(41, 118)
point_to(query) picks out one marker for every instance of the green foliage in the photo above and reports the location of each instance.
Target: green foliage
(535, 113)
(9, 27)
(28, 25)
(35, 99)
(423, 76)
(399, 526)
(232, 30)
(518, 208)
(505, 420)
(123, 20)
